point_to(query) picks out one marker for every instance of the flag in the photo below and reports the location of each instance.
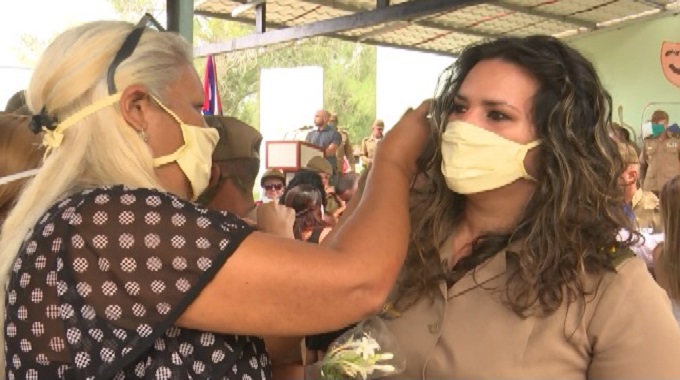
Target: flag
(212, 105)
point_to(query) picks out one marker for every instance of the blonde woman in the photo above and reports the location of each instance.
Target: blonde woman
(667, 254)
(111, 270)
(20, 150)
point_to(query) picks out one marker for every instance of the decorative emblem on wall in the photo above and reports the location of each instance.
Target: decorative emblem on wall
(670, 61)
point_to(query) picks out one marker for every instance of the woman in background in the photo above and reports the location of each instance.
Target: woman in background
(309, 225)
(20, 150)
(667, 253)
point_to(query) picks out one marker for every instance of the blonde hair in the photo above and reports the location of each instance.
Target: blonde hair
(101, 149)
(667, 266)
(19, 151)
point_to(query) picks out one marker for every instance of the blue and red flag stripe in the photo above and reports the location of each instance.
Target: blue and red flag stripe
(212, 104)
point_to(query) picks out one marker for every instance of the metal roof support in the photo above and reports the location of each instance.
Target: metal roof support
(425, 23)
(343, 37)
(181, 18)
(261, 18)
(547, 15)
(404, 11)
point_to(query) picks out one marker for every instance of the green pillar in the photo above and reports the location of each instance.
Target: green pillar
(181, 18)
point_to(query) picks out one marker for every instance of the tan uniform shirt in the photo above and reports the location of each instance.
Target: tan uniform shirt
(646, 209)
(368, 146)
(345, 151)
(626, 330)
(662, 157)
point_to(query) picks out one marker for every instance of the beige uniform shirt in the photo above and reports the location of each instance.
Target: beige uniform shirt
(368, 146)
(646, 209)
(662, 157)
(625, 331)
(345, 150)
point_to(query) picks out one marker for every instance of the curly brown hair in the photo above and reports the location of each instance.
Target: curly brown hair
(570, 224)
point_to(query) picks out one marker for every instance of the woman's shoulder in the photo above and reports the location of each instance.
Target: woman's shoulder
(120, 201)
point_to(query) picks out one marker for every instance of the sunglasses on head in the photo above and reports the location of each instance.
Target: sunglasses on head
(128, 47)
(276, 187)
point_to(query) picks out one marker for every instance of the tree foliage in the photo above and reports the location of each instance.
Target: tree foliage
(349, 73)
(349, 68)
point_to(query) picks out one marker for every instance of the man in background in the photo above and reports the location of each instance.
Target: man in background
(345, 153)
(236, 163)
(370, 143)
(326, 138)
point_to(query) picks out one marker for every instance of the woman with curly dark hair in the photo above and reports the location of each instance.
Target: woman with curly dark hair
(514, 267)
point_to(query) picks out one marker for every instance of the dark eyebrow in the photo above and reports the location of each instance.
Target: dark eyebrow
(489, 102)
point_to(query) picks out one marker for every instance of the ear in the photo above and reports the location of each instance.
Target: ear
(135, 105)
(215, 173)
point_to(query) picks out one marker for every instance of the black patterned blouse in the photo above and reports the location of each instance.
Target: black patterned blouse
(98, 285)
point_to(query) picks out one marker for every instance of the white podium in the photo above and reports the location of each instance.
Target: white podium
(289, 156)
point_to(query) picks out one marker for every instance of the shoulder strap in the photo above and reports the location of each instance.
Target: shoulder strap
(316, 235)
(621, 255)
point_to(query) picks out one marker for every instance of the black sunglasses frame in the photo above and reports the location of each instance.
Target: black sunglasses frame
(128, 47)
(276, 187)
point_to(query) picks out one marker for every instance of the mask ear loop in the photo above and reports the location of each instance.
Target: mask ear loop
(17, 176)
(526, 148)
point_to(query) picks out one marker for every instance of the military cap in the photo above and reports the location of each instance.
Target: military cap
(319, 164)
(273, 173)
(237, 139)
(17, 104)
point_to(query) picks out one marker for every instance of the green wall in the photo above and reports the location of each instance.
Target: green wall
(628, 62)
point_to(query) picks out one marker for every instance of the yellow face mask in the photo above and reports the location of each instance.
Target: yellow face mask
(475, 160)
(194, 157)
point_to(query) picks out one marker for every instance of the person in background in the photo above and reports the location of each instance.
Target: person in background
(20, 150)
(347, 186)
(273, 182)
(667, 253)
(110, 269)
(306, 177)
(660, 158)
(326, 138)
(236, 163)
(345, 153)
(333, 206)
(370, 143)
(17, 104)
(309, 224)
(642, 207)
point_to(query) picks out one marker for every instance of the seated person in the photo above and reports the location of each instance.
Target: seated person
(236, 163)
(642, 206)
(273, 182)
(334, 205)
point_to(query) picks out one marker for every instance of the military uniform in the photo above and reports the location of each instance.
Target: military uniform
(467, 331)
(368, 147)
(345, 150)
(238, 141)
(661, 156)
(645, 204)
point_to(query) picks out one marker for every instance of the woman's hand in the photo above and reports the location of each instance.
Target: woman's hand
(405, 142)
(276, 219)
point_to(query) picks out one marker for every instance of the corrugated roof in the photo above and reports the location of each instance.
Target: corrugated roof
(449, 32)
